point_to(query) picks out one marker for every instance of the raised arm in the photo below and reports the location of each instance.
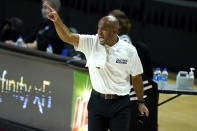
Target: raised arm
(62, 30)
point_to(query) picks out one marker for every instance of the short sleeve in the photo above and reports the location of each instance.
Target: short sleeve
(136, 65)
(86, 43)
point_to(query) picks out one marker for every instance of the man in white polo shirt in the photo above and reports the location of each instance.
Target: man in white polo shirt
(111, 61)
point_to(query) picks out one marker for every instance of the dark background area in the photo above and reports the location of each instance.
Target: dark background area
(168, 27)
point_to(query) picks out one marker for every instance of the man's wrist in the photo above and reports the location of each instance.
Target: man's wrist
(141, 101)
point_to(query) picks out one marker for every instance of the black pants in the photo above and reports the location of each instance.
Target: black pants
(104, 114)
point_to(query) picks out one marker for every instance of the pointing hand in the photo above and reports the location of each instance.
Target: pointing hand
(51, 13)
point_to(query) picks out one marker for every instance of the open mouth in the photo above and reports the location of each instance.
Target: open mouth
(101, 39)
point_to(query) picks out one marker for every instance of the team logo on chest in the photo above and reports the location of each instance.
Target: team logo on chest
(121, 61)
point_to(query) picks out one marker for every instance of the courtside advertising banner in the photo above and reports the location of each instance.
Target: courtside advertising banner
(82, 90)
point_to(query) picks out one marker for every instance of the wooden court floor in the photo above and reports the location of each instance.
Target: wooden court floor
(179, 114)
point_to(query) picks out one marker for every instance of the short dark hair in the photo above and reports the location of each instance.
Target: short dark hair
(124, 22)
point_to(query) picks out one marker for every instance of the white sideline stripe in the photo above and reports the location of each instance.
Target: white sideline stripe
(145, 82)
(148, 87)
(145, 88)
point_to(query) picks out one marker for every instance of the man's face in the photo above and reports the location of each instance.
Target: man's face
(105, 32)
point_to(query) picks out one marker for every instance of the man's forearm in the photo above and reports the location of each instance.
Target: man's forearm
(65, 34)
(139, 89)
(138, 86)
(62, 30)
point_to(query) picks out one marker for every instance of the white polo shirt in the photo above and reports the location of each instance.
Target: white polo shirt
(119, 62)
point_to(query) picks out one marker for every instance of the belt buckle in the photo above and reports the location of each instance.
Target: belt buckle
(106, 96)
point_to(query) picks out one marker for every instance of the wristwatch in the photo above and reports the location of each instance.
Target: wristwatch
(141, 101)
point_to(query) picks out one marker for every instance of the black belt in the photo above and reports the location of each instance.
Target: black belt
(106, 96)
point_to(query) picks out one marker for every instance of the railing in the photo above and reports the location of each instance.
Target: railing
(68, 61)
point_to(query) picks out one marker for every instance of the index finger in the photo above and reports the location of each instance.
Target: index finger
(46, 5)
(147, 113)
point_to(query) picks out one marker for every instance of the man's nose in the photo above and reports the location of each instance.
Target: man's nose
(100, 32)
